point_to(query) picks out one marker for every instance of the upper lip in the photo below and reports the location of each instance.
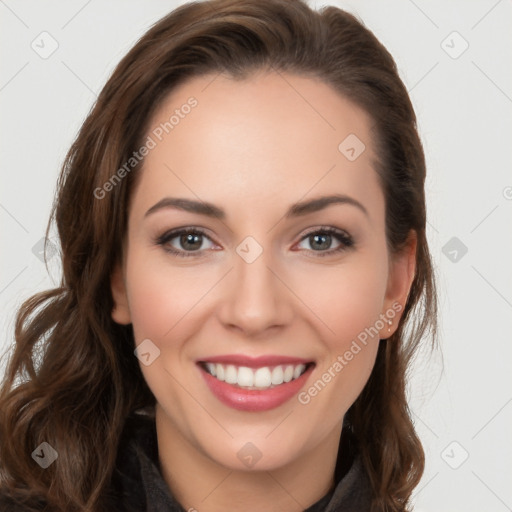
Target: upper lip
(254, 362)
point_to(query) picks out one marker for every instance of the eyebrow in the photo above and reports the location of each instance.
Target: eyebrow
(295, 210)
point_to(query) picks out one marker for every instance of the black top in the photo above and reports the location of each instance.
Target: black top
(138, 486)
(138, 464)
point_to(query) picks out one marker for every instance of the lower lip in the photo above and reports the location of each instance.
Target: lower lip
(254, 400)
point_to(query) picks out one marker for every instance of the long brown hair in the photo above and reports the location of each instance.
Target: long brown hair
(72, 378)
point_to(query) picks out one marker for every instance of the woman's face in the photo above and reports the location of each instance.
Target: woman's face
(272, 270)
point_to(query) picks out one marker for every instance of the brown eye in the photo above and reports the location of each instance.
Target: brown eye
(321, 241)
(184, 242)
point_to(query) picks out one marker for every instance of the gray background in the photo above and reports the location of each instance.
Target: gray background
(461, 400)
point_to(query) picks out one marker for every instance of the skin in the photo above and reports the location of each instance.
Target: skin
(253, 148)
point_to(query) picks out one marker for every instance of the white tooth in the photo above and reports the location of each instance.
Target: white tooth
(262, 377)
(245, 376)
(230, 375)
(211, 368)
(219, 371)
(277, 375)
(298, 370)
(288, 373)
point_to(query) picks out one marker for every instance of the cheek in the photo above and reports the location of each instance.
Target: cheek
(162, 297)
(347, 300)
(349, 303)
(164, 302)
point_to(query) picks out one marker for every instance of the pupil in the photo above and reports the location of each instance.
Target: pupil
(325, 245)
(190, 238)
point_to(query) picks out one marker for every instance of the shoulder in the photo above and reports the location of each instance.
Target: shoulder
(139, 433)
(353, 489)
(124, 492)
(138, 436)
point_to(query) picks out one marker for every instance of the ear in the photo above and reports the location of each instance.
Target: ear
(402, 269)
(121, 310)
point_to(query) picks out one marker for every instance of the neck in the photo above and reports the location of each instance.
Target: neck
(199, 483)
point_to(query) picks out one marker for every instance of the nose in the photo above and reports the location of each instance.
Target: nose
(256, 298)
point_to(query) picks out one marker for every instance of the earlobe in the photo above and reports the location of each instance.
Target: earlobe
(121, 310)
(401, 275)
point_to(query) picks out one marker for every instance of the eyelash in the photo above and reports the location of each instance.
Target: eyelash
(346, 241)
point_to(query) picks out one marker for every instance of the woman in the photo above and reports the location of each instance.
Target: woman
(246, 277)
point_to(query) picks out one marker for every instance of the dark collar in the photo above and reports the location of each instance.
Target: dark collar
(138, 485)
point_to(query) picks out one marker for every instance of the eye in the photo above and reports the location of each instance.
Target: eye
(184, 242)
(323, 237)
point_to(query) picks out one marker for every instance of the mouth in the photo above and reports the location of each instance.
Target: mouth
(259, 378)
(255, 384)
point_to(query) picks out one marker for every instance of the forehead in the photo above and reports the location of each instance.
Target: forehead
(269, 135)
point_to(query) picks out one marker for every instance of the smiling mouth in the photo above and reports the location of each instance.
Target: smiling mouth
(261, 378)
